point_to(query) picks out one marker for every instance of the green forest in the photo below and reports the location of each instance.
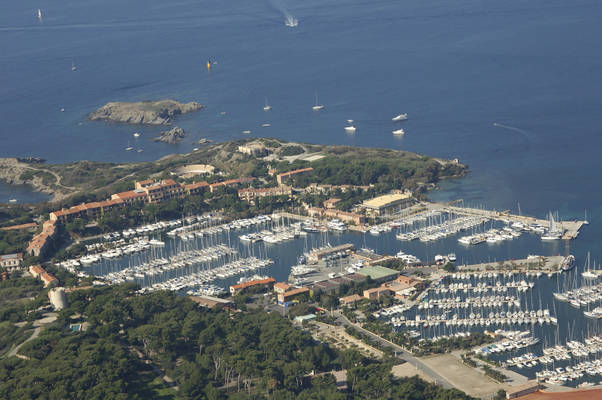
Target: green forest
(164, 346)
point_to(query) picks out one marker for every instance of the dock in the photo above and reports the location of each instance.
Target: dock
(570, 228)
(548, 264)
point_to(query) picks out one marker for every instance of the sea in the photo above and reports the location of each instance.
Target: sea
(512, 88)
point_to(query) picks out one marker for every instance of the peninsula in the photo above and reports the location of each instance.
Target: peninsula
(160, 112)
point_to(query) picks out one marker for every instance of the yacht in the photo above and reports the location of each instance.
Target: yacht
(451, 257)
(136, 134)
(398, 132)
(350, 129)
(400, 117)
(12, 201)
(129, 148)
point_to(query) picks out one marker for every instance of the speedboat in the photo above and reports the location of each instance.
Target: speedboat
(399, 132)
(400, 117)
(266, 125)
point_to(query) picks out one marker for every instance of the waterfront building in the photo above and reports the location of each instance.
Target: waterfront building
(387, 204)
(265, 283)
(286, 176)
(11, 262)
(250, 194)
(344, 216)
(210, 301)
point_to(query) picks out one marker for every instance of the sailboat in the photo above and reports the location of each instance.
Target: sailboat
(585, 221)
(589, 273)
(267, 107)
(73, 67)
(39, 14)
(553, 233)
(129, 148)
(317, 106)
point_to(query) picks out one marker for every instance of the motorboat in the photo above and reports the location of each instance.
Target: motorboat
(350, 129)
(398, 132)
(400, 117)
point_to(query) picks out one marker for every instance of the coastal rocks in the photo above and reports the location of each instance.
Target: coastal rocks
(171, 136)
(160, 112)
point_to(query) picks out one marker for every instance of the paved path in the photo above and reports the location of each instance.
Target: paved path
(34, 335)
(401, 353)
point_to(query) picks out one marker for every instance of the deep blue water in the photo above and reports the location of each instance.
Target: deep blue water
(456, 68)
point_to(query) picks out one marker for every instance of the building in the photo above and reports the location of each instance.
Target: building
(250, 194)
(331, 203)
(377, 293)
(350, 300)
(347, 217)
(293, 294)
(411, 282)
(58, 298)
(387, 204)
(253, 149)
(286, 176)
(42, 241)
(40, 273)
(132, 196)
(229, 183)
(318, 188)
(327, 286)
(319, 254)
(210, 301)
(31, 225)
(281, 287)
(11, 262)
(261, 283)
(147, 191)
(196, 188)
(522, 390)
(303, 318)
(379, 273)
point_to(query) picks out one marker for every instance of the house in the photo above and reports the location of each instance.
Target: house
(11, 262)
(40, 273)
(286, 176)
(231, 182)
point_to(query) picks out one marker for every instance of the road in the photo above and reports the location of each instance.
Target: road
(401, 353)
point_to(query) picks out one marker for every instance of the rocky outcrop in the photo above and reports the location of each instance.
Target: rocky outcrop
(145, 112)
(171, 136)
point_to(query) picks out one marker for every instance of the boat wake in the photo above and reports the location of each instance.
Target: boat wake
(514, 129)
(289, 20)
